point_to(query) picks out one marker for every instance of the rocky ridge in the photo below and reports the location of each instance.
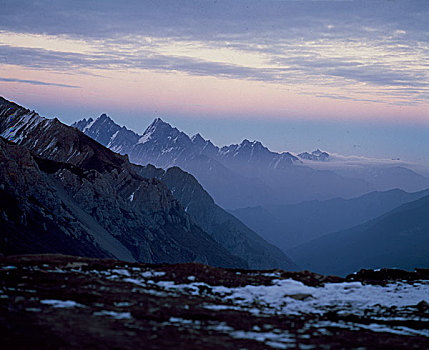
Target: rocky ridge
(86, 190)
(237, 175)
(125, 200)
(51, 206)
(225, 228)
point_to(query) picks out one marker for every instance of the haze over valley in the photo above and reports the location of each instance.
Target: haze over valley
(214, 174)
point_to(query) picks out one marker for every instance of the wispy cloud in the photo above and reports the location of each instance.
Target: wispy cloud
(380, 49)
(144, 59)
(37, 82)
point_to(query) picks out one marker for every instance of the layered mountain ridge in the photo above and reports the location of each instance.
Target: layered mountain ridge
(106, 198)
(237, 175)
(398, 239)
(224, 227)
(290, 225)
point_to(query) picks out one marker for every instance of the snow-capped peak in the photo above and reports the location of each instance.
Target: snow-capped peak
(160, 130)
(157, 123)
(253, 143)
(316, 155)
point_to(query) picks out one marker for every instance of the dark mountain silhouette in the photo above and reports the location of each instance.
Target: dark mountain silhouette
(290, 225)
(224, 227)
(398, 239)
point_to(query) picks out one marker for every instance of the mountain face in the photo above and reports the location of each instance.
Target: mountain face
(237, 175)
(117, 201)
(71, 184)
(398, 239)
(287, 226)
(34, 218)
(226, 229)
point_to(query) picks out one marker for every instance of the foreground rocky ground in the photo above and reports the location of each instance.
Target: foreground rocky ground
(64, 302)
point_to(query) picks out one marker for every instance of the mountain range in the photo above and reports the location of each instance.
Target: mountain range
(248, 174)
(290, 225)
(237, 175)
(63, 192)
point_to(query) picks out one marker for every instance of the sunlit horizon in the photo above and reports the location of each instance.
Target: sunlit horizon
(257, 68)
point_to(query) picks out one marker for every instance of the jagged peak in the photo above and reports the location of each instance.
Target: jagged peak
(83, 123)
(197, 137)
(6, 103)
(288, 155)
(158, 122)
(162, 129)
(252, 144)
(104, 117)
(316, 155)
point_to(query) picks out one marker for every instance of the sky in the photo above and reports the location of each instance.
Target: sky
(349, 77)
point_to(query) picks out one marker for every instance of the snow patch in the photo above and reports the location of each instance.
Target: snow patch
(114, 314)
(151, 274)
(145, 138)
(61, 303)
(131, 198)
(122, 272)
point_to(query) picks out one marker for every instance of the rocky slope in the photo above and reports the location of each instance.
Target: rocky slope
(33, 217)
(237, 175)
(126, 201)
(76, 182)
(53, 302)
(50, 206)
(226, 229)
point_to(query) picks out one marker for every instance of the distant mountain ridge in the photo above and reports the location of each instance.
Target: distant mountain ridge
(105, 197)
(316, 155)
(397, 239)
(166, 145)
(290, 225)
(236, 175)
(384, 179)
